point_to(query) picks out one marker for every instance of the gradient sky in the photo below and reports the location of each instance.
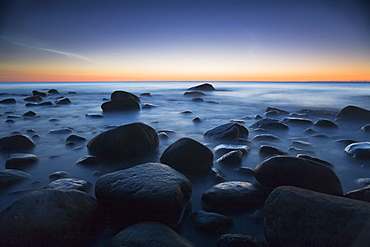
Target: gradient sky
(183, 40)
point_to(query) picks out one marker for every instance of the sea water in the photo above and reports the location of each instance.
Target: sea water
(231, 101)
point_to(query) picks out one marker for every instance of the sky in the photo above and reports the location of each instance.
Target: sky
(184, 40)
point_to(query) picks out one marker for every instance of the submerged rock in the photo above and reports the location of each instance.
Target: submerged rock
(147, 192)
(365, 128)
(232, 157)
(10, 177)
(222, 149)
(270, 151)
(299, 217)
(53, 91)
(75, 138)
(16, 143)
(42, 94)
(35, 98)
(297, 121)
(60, 131)
(228, 131)
(20, 160)
(359, 150)
(63, 101)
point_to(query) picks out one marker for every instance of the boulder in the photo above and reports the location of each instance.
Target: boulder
(222, 149)
(16, 143)
(8, 101)
(29, 114)
(38, 93)
(304, 173)
(125, 141)
(228, 131)
(20, 160)
(49, 218)
(10, 177)
(265, 137)
(69, 184)
(353, 113)
(129, 104)
(194, 94)
(210, 221)
(203, 87)
(188, 156)
(53, 91)
(297, 121)
(149, 234)
(234, 196)
(146, 192)
(75, 138)
(359, 150)
(35, 98)
(318, 160)
(239, 240)
(266, 150)
(326, 123)
(122, 95)
(63, 101)
(269, 123)
(299, 217)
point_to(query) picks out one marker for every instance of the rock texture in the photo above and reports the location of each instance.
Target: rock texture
(229, 131)
(359, 150)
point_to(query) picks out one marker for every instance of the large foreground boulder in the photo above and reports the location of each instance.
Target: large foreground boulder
(124, 142)
(299, 217)
(49, 218)
(304, 173)
(146, 192)
(228, 131)
(188, 156)
(149, 234)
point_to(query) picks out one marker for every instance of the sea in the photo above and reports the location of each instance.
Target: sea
(242, 102)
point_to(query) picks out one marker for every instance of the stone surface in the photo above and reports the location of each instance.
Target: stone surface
(16, 143)
(299, 217)
(63, 101)
(49, 218)
(365, 128)
(228, 131)
(353, 113)
(265, 137)
(270, 151)
(188, 156)
(359, 150)
(75, 138)
(146, 192)
(69, 184)
(232, 157)
(222, 149)
(122, 101)
(10, 177)
(297, 121)
(269, 123)
(60, 131)
(287, 170)
(318, 160)
(35, 98)
(8, 101)
(239, 240)
(125, 141)
(122, 95)
(210, 221)
(149, 234)
(20, 160)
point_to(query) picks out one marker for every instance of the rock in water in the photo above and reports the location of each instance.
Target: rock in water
(15, 143)
(124, 142)
(49, 218)
(147, 192)
(10, 177)
(353, 113)
(308, 174)
(122, 101)
(209, 221)
(69, 184)
(19, 160)
(121, 95)
(203, 87)
(359, 150)
(188, 156)
(299, 217)
(229, 131)
(149, 234)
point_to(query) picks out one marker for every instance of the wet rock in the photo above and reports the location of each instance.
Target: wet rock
(228, 131)
(209, 221)
(353, 113)
(10, 121)
(300, 144)
(239, 240)
(89, 160)
(13, 116)
(125, 141)
(275, 111)
(247, 171)
(188, 156)
(8, 101)
(321, 113)
(363, 182)
(47, 103)
(365, 128)
(194, 94)
(148, 106)
(326, 123)
(149, 234)
(147, 192)
(75, 138)
(63, 101)
(235, 196)
(297, 121)
(94, 115)
(269, 123)
(315, 159)
(69, 184)
(49, 218)
(122, 95)
(287, 170)
(222, 149)
(16, 143)
(265, 137)
(38, 93)
(58, 175)
(163, 136)
(232, 157)
(36, 98)
(53, 91)
(29, 114)
(362, 194)
(186, 112)
(197, 100)
(359, 150)
(60, 131)
(269, 151)
(129, 104)
(10, 177)
(20, 160)
(203, 87)
(299, 217)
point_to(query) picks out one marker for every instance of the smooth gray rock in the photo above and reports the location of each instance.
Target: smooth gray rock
(228, 131)
(10, 177)
(125, 141)
(146, 192)
(299, 217)
(50, 218)
(287, 170)
(16, 143)
(69, 184)
(188, 156)
(20, 160)
(359, 150)
(149, 234)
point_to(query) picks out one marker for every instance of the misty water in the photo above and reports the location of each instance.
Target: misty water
(232, 101)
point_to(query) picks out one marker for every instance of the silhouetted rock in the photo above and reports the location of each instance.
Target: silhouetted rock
(239, 240)
(125, 141)
(35, 98)
(38, 93)
(353, 113)
(149, 234)
(147, 192)
(194, 94)
(69, 184)
(63, 101)
(232, 157)
(326, 123)
(228, 131)
(29, 114)
(287, 170)
(359, 150)
(122, 95)
(20, 160)
(16, 143)
(53, 91)
(210, 221)
(10, 177)
(94, 115)
(49, 218)
(8, 101)
(188, 156)
(299, 217)
(203, 87)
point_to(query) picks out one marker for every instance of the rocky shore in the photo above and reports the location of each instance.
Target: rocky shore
(145, 196)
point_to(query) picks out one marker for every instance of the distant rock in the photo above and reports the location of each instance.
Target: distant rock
(275, 111)
(60, 131)
(194, 94)
(326, 123)
(69, 184)
(122, 95)
(129, 104)
(353, 113)
(8, 101)
(10, 177)
(228, 131)
(16, 143)
(270, 151)
(38, 93)
(299, 217)
(149, 234)
(359, 150)
(53, 91)
(75, 138)
(269, 123)
(297, 121)
(29, 114)
(58, 174)
(35, 98)
(94, 115)
(63, 101)
(203, 87)
(20, 160)
(125, 141)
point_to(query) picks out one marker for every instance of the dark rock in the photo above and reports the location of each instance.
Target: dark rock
(300, 144)
(299, 217)
(239, 240)
(297, 121)
(63, 101)
(362, 194)
(20, 160)
(148, 106)
(47, 103)
(36, 98)
(315, 159)
(265, 137)
(269, 151)
(233, 196)
(60, 131)
(29, 114)
(49, 218)
(359, 150)
(38, 93)
(269, 123)
(197, 100)
(194, 94)
(125, 141)
(53, 91)
(146, 94)
(247, 171)
(10, 121)
(149, 234)
(326, 123)
(71, 92)
(309, 131)
(89, 160)
(188, 156)
(286, 170)
(365, 128)
(129, 104)
(210, 221)
(10, 177)
(353, 113)
(232, 157)
(203, 87)
(197, 120)
(75, 138)
(163, 136)
(8, 101)
(275, 111)
(147, 192)
(123, 95)
(94, 115)
(363, 182)
(13, 116)
(222, 149)
(16, 143)
(229, 131)
(69, 184)
(58, 175)
(186, 112)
